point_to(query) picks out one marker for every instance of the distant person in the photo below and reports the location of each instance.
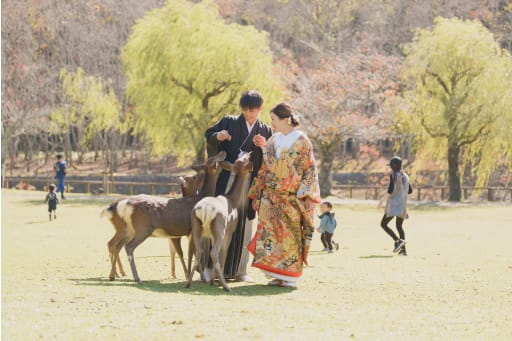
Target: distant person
(327, 226)
(52, 200)
(396, 205)
(234, 135)
(60, 174)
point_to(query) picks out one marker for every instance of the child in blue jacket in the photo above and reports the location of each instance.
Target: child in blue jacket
(327, 226)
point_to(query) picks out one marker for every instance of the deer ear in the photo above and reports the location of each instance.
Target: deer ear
(181, 180)
(226, 165)
(221, 156)
(198, 168)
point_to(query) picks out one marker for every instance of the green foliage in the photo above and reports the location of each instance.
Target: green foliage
(89, 104)
(459, 95)
(186, 68)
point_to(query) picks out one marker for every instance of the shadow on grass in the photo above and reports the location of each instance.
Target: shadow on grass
(376, 256)
(71, 201)
(39, 221)
(197, 287)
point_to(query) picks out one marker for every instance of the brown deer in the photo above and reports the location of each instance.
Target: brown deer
(143, 216)
(216, 218)
(189, 185)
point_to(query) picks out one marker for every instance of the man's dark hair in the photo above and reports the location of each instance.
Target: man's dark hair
(328, 204)
(251, 99)
(59, 156)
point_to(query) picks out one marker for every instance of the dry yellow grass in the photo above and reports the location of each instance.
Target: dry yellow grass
(455, 284)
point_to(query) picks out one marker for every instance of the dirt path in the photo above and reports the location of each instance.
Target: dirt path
(456, 283)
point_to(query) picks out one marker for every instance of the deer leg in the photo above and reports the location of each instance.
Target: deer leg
(172, 250)
(120, 265)
(177, 246)
(191, 250)
(130, 247)
(196, 242)
(114, 247)
(215, 255)
(224, 250)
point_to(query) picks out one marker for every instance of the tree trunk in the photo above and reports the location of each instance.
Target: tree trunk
(200, 153)
(453, 172)
(326, 162)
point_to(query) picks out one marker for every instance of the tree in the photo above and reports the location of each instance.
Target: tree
(459, 93)
(344, 99)
(92, 109)
(186, 68)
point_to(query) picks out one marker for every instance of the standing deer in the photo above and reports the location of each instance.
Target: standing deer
(216, 218)
(144, 216)
(189, 186)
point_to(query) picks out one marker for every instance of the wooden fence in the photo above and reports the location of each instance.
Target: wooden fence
(107, 186)
(430, 193)
(96, 186)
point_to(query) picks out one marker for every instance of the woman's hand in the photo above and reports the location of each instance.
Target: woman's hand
(309, 205)
(255, 205)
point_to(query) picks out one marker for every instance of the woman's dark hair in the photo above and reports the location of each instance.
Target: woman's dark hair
(251, 99)
(284, 110)
(395, 163)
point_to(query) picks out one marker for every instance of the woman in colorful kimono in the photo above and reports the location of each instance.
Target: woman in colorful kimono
(284, 194)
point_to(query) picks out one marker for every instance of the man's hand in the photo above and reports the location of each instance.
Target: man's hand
(223, 135)
(259, 140)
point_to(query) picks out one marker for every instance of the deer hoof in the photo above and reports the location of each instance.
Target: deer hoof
(228, 289)
(112, 278)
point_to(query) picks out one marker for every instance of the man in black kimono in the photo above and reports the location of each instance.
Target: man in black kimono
(235, 135)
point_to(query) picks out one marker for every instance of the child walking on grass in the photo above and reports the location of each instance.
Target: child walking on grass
(52, 200)
(327, 226)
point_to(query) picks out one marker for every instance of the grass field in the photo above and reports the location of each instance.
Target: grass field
(456, 283)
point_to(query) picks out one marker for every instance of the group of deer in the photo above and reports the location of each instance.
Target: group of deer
(198, 214)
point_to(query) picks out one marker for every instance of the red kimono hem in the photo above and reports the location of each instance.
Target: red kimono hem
(277, 271)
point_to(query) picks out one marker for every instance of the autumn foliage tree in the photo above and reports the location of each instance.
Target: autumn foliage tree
(459, 98)
(344, 99)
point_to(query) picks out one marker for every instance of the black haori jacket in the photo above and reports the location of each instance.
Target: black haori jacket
(240, 141)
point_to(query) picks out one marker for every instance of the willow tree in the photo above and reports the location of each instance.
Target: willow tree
(91, 108)
(186, 68)
(459, 97)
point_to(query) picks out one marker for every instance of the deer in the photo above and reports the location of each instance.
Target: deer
(189, 185)
(143, 216)
(216, 218)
